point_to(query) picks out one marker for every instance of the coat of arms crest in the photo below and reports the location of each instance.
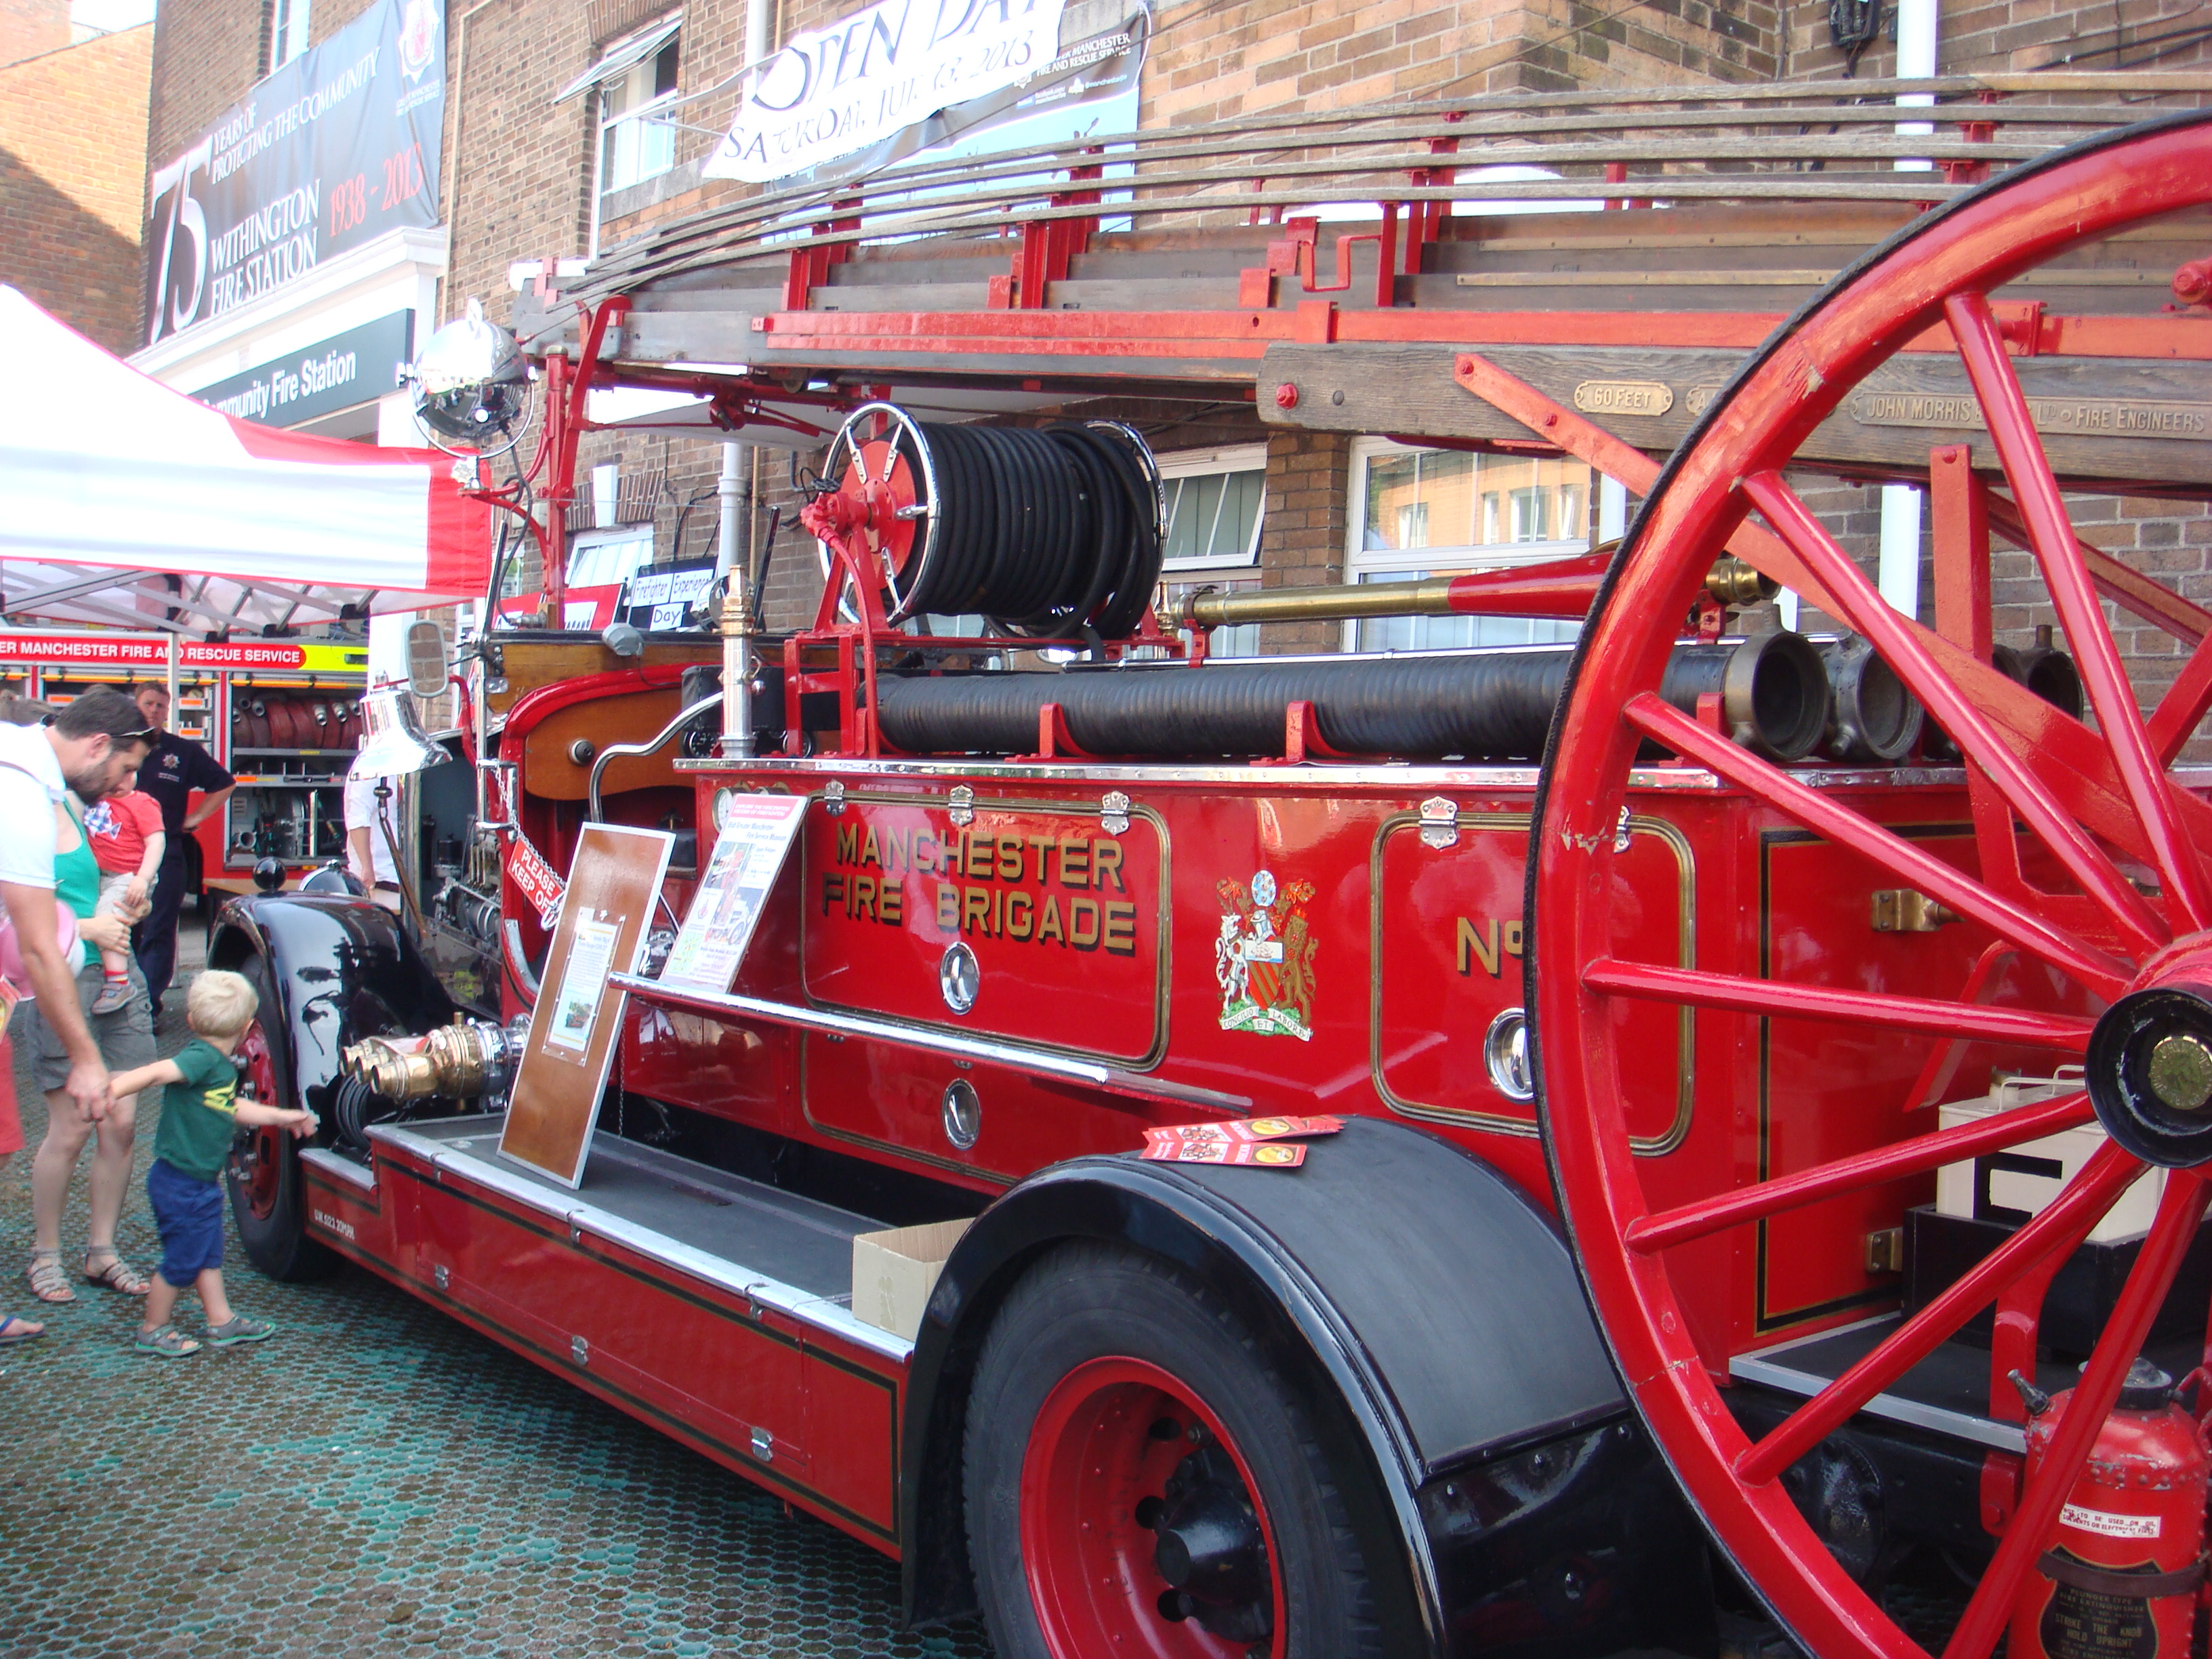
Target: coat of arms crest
(1264, 957)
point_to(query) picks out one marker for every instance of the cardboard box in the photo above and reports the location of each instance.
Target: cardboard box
(894, 1272)
(2027, 1177)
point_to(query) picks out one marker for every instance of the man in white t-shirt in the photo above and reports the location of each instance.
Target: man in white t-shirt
(93, 746)
(368, 852)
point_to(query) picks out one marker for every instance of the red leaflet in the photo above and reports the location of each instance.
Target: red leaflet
(1277, 1154)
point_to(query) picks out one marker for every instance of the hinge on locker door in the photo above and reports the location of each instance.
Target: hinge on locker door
(1902, 910)
(1439, 822)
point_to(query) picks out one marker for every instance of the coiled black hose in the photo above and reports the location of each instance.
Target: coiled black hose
(1050, 532)
(1488, 705)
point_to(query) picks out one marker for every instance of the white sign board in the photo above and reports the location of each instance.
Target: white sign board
(833, 91)
(752, 834)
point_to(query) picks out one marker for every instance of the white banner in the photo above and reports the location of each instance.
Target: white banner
(833, 91)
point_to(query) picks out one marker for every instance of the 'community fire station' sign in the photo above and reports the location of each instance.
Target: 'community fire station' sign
(334, 149)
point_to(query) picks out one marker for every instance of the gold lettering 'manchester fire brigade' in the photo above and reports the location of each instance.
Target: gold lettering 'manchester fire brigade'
(1038, 890)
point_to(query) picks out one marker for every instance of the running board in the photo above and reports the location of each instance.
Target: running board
(1931, 1396)
(740, 1237)
(714, 1309)
(1946, 1394)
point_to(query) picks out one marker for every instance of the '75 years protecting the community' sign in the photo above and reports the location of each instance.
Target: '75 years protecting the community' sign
(334, 149)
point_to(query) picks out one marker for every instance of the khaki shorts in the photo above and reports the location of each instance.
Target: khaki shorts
(126, 1037)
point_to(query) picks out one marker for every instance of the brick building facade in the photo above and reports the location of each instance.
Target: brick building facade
(72, 166)
(521, 161)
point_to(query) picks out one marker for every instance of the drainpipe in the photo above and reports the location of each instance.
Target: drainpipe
(737, 610)
(1898, 576)
(757, 43)
(738, 620)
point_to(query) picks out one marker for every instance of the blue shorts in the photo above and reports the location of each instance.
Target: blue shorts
(189, 1213)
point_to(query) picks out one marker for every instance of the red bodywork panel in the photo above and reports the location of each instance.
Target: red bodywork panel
(1310, 950)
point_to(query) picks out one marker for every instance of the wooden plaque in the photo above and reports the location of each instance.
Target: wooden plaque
(612, 883)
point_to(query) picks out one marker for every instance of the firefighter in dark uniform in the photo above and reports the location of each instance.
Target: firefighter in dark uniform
(170, 773)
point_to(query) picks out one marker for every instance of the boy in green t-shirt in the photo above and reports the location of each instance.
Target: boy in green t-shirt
(199, 1111)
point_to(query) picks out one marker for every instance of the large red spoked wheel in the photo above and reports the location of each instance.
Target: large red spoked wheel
(1140, 1482)
(2086, 862)
(268, 1194)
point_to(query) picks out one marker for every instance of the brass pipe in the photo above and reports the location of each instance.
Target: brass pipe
(1730, 581)
(1210, 608)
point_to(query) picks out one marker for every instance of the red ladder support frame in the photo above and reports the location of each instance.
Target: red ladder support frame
(811, 265)
(1048, 247)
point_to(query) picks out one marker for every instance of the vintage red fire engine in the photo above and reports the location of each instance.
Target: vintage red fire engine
(1750, 1050)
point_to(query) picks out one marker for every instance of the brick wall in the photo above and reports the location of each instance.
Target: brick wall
(28, 27)
(207, 56)
(72, 178)
(1211, 62)
(1987, 36)
(1303, 527)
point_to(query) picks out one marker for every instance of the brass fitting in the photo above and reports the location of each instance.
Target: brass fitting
(455, 1061)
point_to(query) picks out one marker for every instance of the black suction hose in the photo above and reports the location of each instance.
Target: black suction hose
(1486, 705)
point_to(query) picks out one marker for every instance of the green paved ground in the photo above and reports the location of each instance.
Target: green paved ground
(377, 1480)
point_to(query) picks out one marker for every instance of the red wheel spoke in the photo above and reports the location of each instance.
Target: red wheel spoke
(2051, 539)
(2182, 707)
(1668, 725)
(1866, 610)
(2026, 1538)
(2061, 1227)
(1779, 997)
(1892, 1163)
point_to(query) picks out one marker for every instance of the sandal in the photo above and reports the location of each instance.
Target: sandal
(117, 1275)
(166, 1343)
(48, 1282)
(13, 1330)
(239, 1328)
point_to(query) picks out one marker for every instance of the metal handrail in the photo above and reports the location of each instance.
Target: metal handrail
(683, 717)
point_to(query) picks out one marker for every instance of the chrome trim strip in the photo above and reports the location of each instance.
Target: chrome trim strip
(1111, 1079)
(733, 1277)
(343, 1168)
(1761, 1367)
(1403, 777)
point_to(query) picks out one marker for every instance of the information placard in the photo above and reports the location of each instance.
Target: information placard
(613, 881)
(754, 833)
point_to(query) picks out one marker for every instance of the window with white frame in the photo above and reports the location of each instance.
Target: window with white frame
(600, 558)
(637, 133)
(287, 31)
(1420, 513)
(1214, 502)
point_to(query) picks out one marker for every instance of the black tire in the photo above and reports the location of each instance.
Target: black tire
(278, 1243)
(1085, 1302)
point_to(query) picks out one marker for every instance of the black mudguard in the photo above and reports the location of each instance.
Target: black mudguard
(1506, 1499)
(343, 969)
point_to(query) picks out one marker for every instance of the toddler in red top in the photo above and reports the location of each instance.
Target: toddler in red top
(127, 842)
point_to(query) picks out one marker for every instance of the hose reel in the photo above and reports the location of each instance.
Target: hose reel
(1049, 532)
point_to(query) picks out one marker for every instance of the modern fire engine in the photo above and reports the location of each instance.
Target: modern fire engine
(282, 714)
(1771, 1070)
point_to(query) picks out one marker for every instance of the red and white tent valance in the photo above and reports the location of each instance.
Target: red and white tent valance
(101, 466)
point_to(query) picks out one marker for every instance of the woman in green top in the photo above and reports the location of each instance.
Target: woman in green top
(127, 1039)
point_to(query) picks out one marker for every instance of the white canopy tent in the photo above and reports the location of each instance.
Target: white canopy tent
(129, 504)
